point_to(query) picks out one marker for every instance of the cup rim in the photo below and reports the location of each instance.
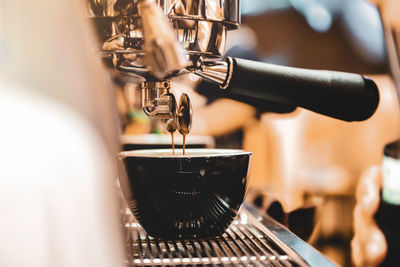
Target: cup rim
(190, 153)
(165, 139)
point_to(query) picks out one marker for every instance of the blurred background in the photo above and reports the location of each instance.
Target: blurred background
(301, 159)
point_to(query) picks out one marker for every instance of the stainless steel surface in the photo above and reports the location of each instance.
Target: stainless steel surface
(157, 101)
(199, 24)
(170, 125)
(155, 40)
(215, 71)
(184, 115)
(281, 234)
(247, 242)
(219, 72)
(163, 52)
(242, 244)
(139, 39)
(224, 11)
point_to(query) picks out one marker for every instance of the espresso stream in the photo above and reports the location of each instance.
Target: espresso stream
(184, 143)
(173, 143)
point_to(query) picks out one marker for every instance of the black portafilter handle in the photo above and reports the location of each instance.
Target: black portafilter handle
(344, 96)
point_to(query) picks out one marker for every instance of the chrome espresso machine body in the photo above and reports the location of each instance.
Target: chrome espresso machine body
(152, 41)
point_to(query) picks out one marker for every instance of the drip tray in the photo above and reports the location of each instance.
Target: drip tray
(248, 241)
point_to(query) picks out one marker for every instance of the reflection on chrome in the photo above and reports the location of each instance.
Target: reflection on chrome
(155, 40)
(200, 26)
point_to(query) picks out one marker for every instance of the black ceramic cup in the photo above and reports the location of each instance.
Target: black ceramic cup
(196, 195)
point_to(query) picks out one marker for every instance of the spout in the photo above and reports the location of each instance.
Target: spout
(157, 101)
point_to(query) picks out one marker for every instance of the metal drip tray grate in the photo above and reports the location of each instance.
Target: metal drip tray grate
(246, 243)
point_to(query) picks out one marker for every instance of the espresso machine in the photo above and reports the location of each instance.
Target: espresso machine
(149, 42)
